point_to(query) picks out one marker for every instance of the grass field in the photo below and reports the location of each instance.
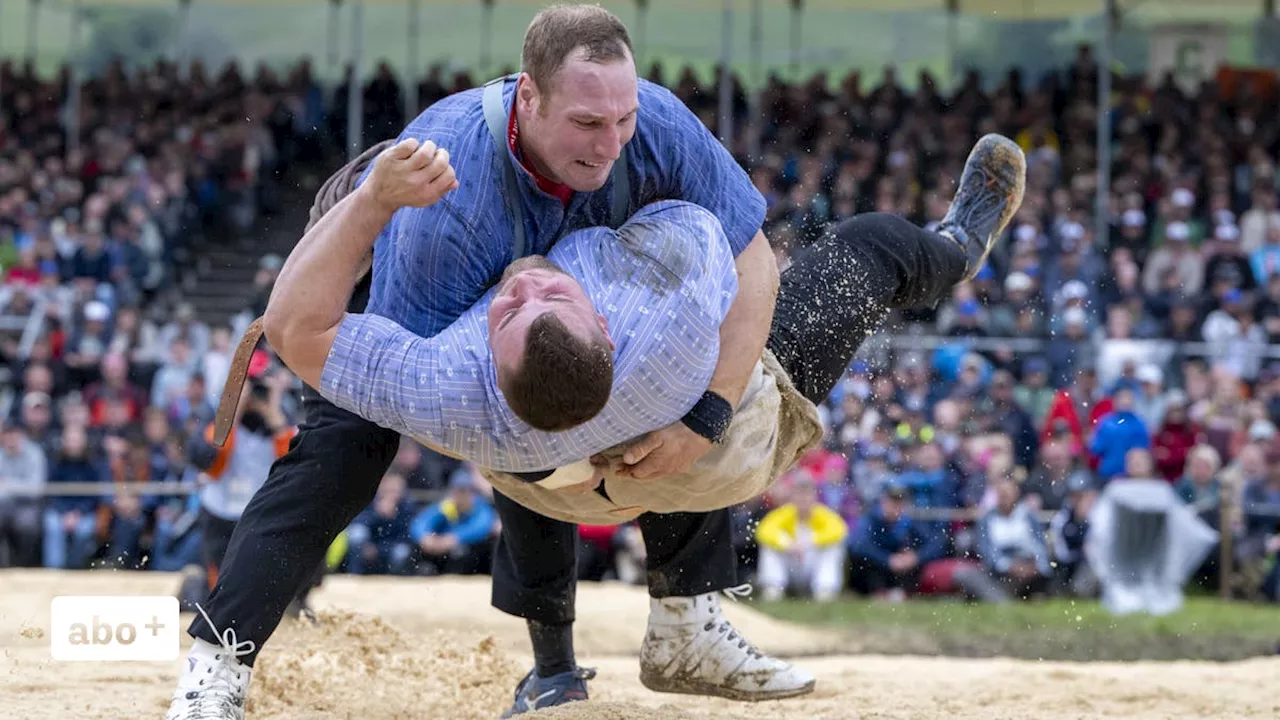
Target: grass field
(1204, 629)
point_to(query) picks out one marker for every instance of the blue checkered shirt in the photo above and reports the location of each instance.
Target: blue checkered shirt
(431, 264)
(664, 282)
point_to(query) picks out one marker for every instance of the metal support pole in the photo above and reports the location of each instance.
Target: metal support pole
(355, 89)
(797, 12)
(642, 32)
(757, 77)
(73, 81)
(33, 27)
(1102, 220)
(333, 57)
(953, 43)
(486, 36)
(411, 75)
(726, 76)
(182, 41)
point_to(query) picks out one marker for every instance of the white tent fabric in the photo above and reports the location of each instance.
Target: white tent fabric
(1144, 544)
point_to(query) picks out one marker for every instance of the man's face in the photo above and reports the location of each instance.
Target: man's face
(531, 287)
(575, 131)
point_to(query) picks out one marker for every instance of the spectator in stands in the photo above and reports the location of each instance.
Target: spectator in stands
(24, 468)
(890, 548)
(1056, 473)
(454, 535)
(1068, 530)
(1011, 543)
(173, 379)
(1175, 439)
(71, 522)
(802, 545)
(378, 540)
(1120, 431)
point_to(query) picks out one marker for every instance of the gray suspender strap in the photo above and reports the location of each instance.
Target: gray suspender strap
(495, 116)
(619, 211)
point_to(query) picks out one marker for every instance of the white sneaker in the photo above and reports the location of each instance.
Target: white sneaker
(691, 648)
(215, 684)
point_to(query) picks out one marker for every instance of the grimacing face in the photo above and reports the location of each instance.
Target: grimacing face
(574, 131)
(530, 287)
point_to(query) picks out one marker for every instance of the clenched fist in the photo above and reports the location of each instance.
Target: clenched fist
(410, 174)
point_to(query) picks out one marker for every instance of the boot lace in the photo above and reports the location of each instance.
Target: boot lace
(220, 694)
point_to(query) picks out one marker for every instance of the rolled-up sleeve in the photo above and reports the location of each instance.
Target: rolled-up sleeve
(382, 372)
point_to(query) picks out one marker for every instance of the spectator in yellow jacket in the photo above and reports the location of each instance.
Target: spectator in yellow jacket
(802, 545)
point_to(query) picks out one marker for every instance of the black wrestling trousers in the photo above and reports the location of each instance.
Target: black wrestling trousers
(838, 292)
(331, 472)
(832, 298)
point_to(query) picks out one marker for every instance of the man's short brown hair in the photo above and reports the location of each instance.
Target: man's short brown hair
(559, 29)
(563, 380)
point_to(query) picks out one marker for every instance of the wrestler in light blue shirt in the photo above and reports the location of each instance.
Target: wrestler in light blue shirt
(664, 281)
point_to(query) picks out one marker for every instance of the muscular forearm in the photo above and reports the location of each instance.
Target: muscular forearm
(745, 329)
(310, 296)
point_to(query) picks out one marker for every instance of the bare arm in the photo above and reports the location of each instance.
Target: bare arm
(745, 329)
(310, 297)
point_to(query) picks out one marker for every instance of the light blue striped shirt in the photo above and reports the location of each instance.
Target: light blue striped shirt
(664, 281)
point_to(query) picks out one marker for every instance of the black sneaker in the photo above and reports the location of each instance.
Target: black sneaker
(535, 693)
(991, 187)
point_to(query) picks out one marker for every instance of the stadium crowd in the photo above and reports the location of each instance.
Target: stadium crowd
(961, 456)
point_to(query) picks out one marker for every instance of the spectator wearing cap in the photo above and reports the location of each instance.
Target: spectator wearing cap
(71, 522)
(24, 471)
(802, 545)
(1177, 254)
(1075, 261)
(89, 341)
(1226, 261)
(1019, 294)
(1011, 545)
(378, 541)
(1012, 419)
(1068, 530)
(1035, 393)
(1118, 432)
(1072, 348)
(1131, 234)
(453, 535)
(1260, 546)
(889, 548)
(36, 416)
(1150, 402)
(1237, 340)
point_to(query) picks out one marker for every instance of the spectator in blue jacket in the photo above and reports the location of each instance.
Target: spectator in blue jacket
(378, 540)
(71, 522)
(1118, 432)
(889, 548)
(454, 534)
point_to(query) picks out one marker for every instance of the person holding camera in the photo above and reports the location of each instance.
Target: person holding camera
(231, 474)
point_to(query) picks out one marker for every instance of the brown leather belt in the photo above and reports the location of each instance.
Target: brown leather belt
(226, 415)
